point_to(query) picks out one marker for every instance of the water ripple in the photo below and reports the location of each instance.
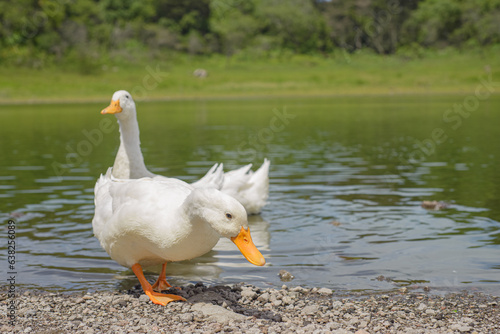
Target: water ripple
(344, 209)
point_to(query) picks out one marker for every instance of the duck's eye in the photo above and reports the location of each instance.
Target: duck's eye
(127, 96)
(229, 216)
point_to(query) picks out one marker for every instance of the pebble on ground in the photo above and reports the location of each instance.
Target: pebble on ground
(248, 309)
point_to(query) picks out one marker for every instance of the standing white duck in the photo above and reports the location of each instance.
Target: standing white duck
(148, 221)
(251, 189)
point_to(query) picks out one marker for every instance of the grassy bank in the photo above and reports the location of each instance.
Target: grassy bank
(447, 71)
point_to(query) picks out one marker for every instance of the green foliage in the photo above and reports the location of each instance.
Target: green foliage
(297, 24)
(183, 15)
(123, 11)
(375, 24)
(282, 73)
(454, 22)
(435, 21)
(481, 21)
(38, 32)
(235, 30)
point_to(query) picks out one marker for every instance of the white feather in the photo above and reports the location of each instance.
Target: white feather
(251, 189)
(151, 221)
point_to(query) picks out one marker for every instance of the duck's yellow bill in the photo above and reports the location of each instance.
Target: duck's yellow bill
(246, 246)
(113, 108)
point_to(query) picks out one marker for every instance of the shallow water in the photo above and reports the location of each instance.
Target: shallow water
(348, 176)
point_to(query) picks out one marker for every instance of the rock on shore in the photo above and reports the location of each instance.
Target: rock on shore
(248, 309)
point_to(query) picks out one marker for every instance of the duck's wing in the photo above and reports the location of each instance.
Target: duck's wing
(236, 180)
(119, 200)
(250, 188)
(256, 191)
(103, 203)
(213, 179)
(132, 215)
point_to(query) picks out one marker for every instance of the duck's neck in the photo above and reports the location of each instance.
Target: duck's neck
(129, 162)
(182, 236)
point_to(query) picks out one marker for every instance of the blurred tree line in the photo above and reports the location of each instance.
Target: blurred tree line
(36, 32)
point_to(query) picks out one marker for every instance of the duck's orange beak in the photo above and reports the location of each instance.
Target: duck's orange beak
(113, 108)
(246, 246)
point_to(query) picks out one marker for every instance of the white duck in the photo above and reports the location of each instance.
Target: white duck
(251, 189)
(148, 221)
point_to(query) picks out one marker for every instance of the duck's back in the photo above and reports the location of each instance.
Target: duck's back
(127, 213)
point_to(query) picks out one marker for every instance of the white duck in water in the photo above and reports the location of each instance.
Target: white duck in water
(148, 221)
(250, 188)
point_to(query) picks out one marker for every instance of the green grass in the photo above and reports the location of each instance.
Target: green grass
(446, 71)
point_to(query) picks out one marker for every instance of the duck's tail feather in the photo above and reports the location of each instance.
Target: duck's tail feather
(214, 178)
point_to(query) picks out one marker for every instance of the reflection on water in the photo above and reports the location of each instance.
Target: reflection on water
(344, 209)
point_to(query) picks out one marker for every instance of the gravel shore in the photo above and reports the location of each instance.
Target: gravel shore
(248, 309)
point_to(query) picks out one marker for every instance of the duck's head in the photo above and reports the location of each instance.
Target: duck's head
(228, 217)
(122, 105)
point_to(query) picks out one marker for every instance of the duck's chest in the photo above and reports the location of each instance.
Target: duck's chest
(199, 242)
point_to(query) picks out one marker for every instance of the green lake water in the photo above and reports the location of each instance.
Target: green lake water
(347, 180)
